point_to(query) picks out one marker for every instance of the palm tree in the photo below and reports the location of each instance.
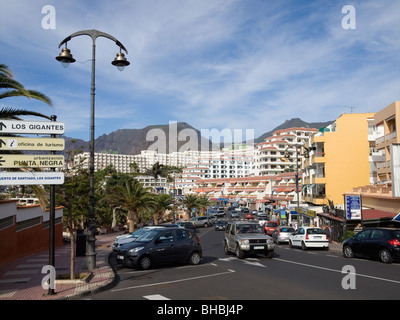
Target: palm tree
(133, 197)
(163, 203)
(9, 87)
(155, 171)
(204, 201)
(190, 202)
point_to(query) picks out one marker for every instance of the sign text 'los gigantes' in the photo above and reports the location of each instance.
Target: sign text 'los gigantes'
(31, 127)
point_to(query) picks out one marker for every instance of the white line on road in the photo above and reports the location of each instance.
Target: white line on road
(338, 271)
(174, 281)
(156, 297)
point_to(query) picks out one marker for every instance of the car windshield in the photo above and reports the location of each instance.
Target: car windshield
(148, 236)
(271, 224)
(249, 228)
(315, 231)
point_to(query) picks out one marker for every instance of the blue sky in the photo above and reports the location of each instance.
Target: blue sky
(215, 64)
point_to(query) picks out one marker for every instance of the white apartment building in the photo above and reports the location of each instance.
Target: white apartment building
(270, 155)
(222, 165)
(147, 158)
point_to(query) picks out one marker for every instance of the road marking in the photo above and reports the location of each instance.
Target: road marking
(338, 271)
(156, 297)
(174, 281)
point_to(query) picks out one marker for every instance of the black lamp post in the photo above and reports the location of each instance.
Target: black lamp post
(120, 62)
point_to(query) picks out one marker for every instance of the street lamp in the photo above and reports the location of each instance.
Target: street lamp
(65, 57)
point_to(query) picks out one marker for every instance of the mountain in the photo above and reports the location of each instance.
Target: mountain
(154, 137)
(293, 123)
(133, 141)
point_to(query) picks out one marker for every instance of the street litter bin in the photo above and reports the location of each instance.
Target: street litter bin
(80, 243)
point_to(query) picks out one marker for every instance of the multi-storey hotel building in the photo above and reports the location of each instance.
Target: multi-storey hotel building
(278, 152)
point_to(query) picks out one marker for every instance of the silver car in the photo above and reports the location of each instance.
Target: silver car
(282, 234)
(127, 238)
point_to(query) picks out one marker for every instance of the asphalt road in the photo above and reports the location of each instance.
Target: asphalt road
(292, 274)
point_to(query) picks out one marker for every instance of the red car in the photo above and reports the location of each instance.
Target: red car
(249, 216)
(269, 227)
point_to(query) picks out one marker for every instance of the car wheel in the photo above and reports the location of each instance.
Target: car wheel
(205, 225)
(348, 252)
(145, 263)
(385, 256)
(303, 246)
(290, 244)
(195, 258)
(239, 252)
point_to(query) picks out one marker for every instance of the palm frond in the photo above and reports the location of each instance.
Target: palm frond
(12, 113)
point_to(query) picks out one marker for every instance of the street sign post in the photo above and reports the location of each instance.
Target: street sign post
(31, 127)
(22, 143)
(31, 161)
(31, 178)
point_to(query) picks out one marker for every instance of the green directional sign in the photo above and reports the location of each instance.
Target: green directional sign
(31, 161)
(18, 143)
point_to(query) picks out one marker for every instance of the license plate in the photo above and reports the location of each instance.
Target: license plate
(259, 247)
(317, 237)
(120, 257)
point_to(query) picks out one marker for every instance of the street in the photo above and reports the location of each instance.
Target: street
(292, 274)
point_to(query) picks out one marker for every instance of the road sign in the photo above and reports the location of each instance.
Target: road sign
(17, 143)
(31, 178)
(353, 207)
(31, 161)
(31, 127)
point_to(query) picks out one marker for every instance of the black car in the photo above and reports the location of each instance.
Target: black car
(187, 225)
(374, 243)
(221, 225)
(161, 246)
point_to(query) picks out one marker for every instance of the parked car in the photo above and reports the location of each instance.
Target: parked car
(261, 214)
(234, 214)
(374, 243)
(249, 216)
(201, 221)
(161, 246)
(187, 225)
(130, 237)
(220, 212)
(309, 237)
(220, 225)
(269, 227)
(282, 234)
(244, 237)
(245, 210)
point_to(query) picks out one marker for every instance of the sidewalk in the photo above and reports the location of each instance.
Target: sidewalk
(22, 278)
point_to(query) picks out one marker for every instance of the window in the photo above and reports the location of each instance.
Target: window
(183, 235)
(363, 235)
(376, 234)
(167, 237)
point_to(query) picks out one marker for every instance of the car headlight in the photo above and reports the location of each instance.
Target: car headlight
(269, 241)
(245, 241)
(137, 249)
